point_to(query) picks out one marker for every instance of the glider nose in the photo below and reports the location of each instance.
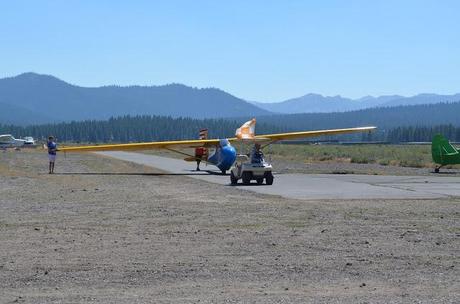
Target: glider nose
(228, 157)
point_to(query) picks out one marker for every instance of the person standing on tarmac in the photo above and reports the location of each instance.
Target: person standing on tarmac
(199, 152)
(52, 151)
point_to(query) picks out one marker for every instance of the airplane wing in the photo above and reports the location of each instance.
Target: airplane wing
(209, 143)
(181, 144)
(304, 134)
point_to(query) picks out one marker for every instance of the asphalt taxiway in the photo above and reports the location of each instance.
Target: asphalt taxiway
(314, 186)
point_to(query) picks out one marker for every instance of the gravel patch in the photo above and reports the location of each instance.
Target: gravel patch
(105, 231)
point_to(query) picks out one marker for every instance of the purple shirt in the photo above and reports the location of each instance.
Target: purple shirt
(52, 146)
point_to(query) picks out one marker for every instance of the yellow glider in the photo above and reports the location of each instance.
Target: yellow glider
(225, 154)
(209, 143)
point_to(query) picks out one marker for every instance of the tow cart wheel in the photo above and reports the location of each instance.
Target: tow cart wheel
(246, 177)
(233, 179)
(260, 181)
(269, 178)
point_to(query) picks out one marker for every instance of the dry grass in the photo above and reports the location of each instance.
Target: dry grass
(416, 156)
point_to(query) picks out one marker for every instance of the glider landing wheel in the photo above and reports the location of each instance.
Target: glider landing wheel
(436, 170)
(223, 172)
(260, 181)
(269, 178)
(233, 179)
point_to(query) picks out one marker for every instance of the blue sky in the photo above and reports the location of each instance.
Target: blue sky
(256, 50)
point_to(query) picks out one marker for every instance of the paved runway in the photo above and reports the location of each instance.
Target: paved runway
(315, 186)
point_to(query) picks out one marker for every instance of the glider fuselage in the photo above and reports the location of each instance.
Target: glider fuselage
(224, 156)
(443, 152)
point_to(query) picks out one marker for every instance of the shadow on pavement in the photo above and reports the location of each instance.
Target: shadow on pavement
(446, 173)
(141, 174)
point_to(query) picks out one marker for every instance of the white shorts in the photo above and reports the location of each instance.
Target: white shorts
(52, 158)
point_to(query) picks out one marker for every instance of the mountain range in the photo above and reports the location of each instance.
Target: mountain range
(45, 98)
(383, 118)
(32, 98)
(315, 103)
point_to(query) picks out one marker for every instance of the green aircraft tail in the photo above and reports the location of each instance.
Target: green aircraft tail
(443, 152)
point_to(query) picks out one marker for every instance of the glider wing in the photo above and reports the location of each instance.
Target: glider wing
(209, 143)
(304, 134)
(178, 144)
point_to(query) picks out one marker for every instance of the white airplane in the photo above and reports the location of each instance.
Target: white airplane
(8, 141)
(29, 141)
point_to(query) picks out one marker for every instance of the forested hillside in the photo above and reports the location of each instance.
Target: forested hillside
(48, 96)
(15, 115)
(134, 128)
(156, 128)
(419, 134)
(32, 98)
(384, 118)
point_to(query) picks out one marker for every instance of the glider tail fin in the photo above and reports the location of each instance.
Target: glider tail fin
(201, 153)
(203, 134)
(441, 149)
(247, 130)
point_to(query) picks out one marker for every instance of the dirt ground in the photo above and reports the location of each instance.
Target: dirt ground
(106, 231)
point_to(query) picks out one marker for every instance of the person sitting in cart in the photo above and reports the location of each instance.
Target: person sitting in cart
(257, 156)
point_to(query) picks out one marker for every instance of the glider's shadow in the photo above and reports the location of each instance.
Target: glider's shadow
(446, 173)
(143, 174)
